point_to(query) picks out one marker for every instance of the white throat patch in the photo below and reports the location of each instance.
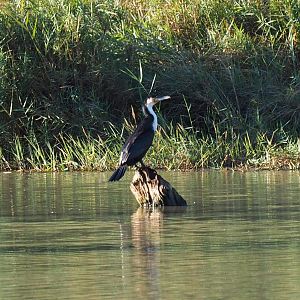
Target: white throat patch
(151, 111)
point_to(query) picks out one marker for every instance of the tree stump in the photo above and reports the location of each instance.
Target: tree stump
(150, 189)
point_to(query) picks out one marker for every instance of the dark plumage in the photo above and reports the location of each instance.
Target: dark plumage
(139, 142)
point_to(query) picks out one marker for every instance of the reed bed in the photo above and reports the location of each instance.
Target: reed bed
(174, 148)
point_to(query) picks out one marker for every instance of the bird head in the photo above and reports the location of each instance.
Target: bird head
(153, 100)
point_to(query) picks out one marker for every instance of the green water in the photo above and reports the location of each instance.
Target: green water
(74, 236)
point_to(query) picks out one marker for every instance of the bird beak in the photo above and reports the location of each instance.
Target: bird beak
(163, 98)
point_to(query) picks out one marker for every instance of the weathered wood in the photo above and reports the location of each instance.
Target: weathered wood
(150, 189)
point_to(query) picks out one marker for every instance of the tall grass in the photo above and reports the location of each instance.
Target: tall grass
(68, 70)
(175, 147)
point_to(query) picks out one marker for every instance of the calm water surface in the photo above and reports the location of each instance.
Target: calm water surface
(74, 236)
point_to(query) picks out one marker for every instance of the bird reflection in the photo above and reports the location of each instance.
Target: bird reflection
(141, 242)
(146, 228)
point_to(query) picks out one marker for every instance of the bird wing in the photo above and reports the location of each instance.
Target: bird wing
(137, 143)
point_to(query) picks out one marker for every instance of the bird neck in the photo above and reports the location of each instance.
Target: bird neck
(148, 111)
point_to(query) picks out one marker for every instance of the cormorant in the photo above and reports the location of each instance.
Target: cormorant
(138, 143)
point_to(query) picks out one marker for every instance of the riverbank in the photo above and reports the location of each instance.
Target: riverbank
(72, 73)
(176, 148)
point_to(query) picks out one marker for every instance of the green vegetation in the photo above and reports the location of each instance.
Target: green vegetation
(72, 72)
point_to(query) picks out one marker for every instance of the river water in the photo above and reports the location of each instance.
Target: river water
(75, 236)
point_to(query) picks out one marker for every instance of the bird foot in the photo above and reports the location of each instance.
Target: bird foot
(141, 167)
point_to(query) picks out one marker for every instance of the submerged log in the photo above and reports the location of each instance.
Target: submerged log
(150, 189)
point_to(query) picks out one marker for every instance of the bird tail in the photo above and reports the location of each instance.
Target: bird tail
(118, 174)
